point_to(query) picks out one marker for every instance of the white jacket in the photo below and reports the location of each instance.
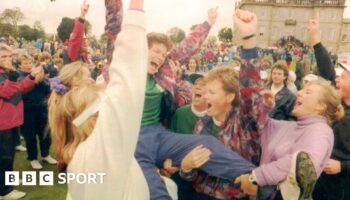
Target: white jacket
(111, 146)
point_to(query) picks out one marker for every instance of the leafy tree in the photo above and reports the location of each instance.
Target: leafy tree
(176, 35)
(12, 16)
(29, 33)
(7, 29)
(225, 35)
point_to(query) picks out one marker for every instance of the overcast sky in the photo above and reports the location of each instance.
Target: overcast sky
(162, 14)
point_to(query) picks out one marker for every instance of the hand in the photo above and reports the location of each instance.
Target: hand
(84, 9)
(212, 15)
(247, 187)
(268, 98)
(168, 168)
(136, 5)
(314, 29)
(246, 22)
(175, 66)
(38, 73)
(195, 159)
(332, 167)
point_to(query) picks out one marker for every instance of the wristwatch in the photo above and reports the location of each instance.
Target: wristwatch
(252, 178)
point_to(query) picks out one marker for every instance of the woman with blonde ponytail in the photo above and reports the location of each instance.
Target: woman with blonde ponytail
(95, 130)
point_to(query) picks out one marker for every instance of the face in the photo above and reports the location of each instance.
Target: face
(26, 65)
(156, 57)
(192, 65)
(198, 94)
(343, 83)
(219, 101)
(307, 102)
(278, 77)
(5, 58)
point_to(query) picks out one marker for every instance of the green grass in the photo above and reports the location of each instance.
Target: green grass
(55, 192)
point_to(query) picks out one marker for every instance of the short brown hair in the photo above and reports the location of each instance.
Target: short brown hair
(281, 66)
(229, 79)
(159, 38)
(43, 56)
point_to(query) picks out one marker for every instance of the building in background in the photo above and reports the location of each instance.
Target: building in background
(282, 18)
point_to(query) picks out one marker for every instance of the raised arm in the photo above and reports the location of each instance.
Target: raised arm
(114, 18)
(77, 37)
(192, 43)
(113, 140)
(323, 59)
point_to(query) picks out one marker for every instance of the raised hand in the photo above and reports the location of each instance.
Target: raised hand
(314, 29)
(195, 159)
(84, 9)
(212, 15)
(246, 22)
(38, 73)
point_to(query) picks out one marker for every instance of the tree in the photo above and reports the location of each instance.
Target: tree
(7, 29)
(211, 41)
(38, 26)
(31, 34)
(225, 35)
(12, 16)
(66, 27)
(176, 35)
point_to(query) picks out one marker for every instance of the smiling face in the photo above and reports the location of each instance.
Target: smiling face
(26, 65)
(278, 77)
(192, 65)
(156, 57)
(308, 101)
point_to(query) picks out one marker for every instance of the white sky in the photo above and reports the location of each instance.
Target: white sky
(162, 14)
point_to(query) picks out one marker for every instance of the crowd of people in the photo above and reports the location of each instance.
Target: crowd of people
(193, 121)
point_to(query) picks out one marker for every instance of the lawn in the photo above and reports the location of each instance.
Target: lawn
(56, 192)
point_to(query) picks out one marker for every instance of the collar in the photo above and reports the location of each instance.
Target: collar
(198, 113)
(217, 122)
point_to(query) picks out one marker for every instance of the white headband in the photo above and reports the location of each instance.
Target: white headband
(92, 109)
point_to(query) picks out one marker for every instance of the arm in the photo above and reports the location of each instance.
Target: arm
(76, 39)
(114, 18)
(323, 59)
(317, 142)
(115, 134)
(192, 43)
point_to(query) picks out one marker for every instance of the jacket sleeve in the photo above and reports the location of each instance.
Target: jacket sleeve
(76, 40)
(324, 63)
(8, 89)
(191, 44)
(26, 85)
(113, 141)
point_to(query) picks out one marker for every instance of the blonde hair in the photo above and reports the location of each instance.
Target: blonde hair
(63, 109)
(331, 99)
(229, 79)
(159, 38)
(23, 58)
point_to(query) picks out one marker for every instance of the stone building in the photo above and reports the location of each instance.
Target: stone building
(279, 18)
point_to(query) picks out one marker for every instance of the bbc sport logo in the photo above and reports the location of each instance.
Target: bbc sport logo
(46, 178)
